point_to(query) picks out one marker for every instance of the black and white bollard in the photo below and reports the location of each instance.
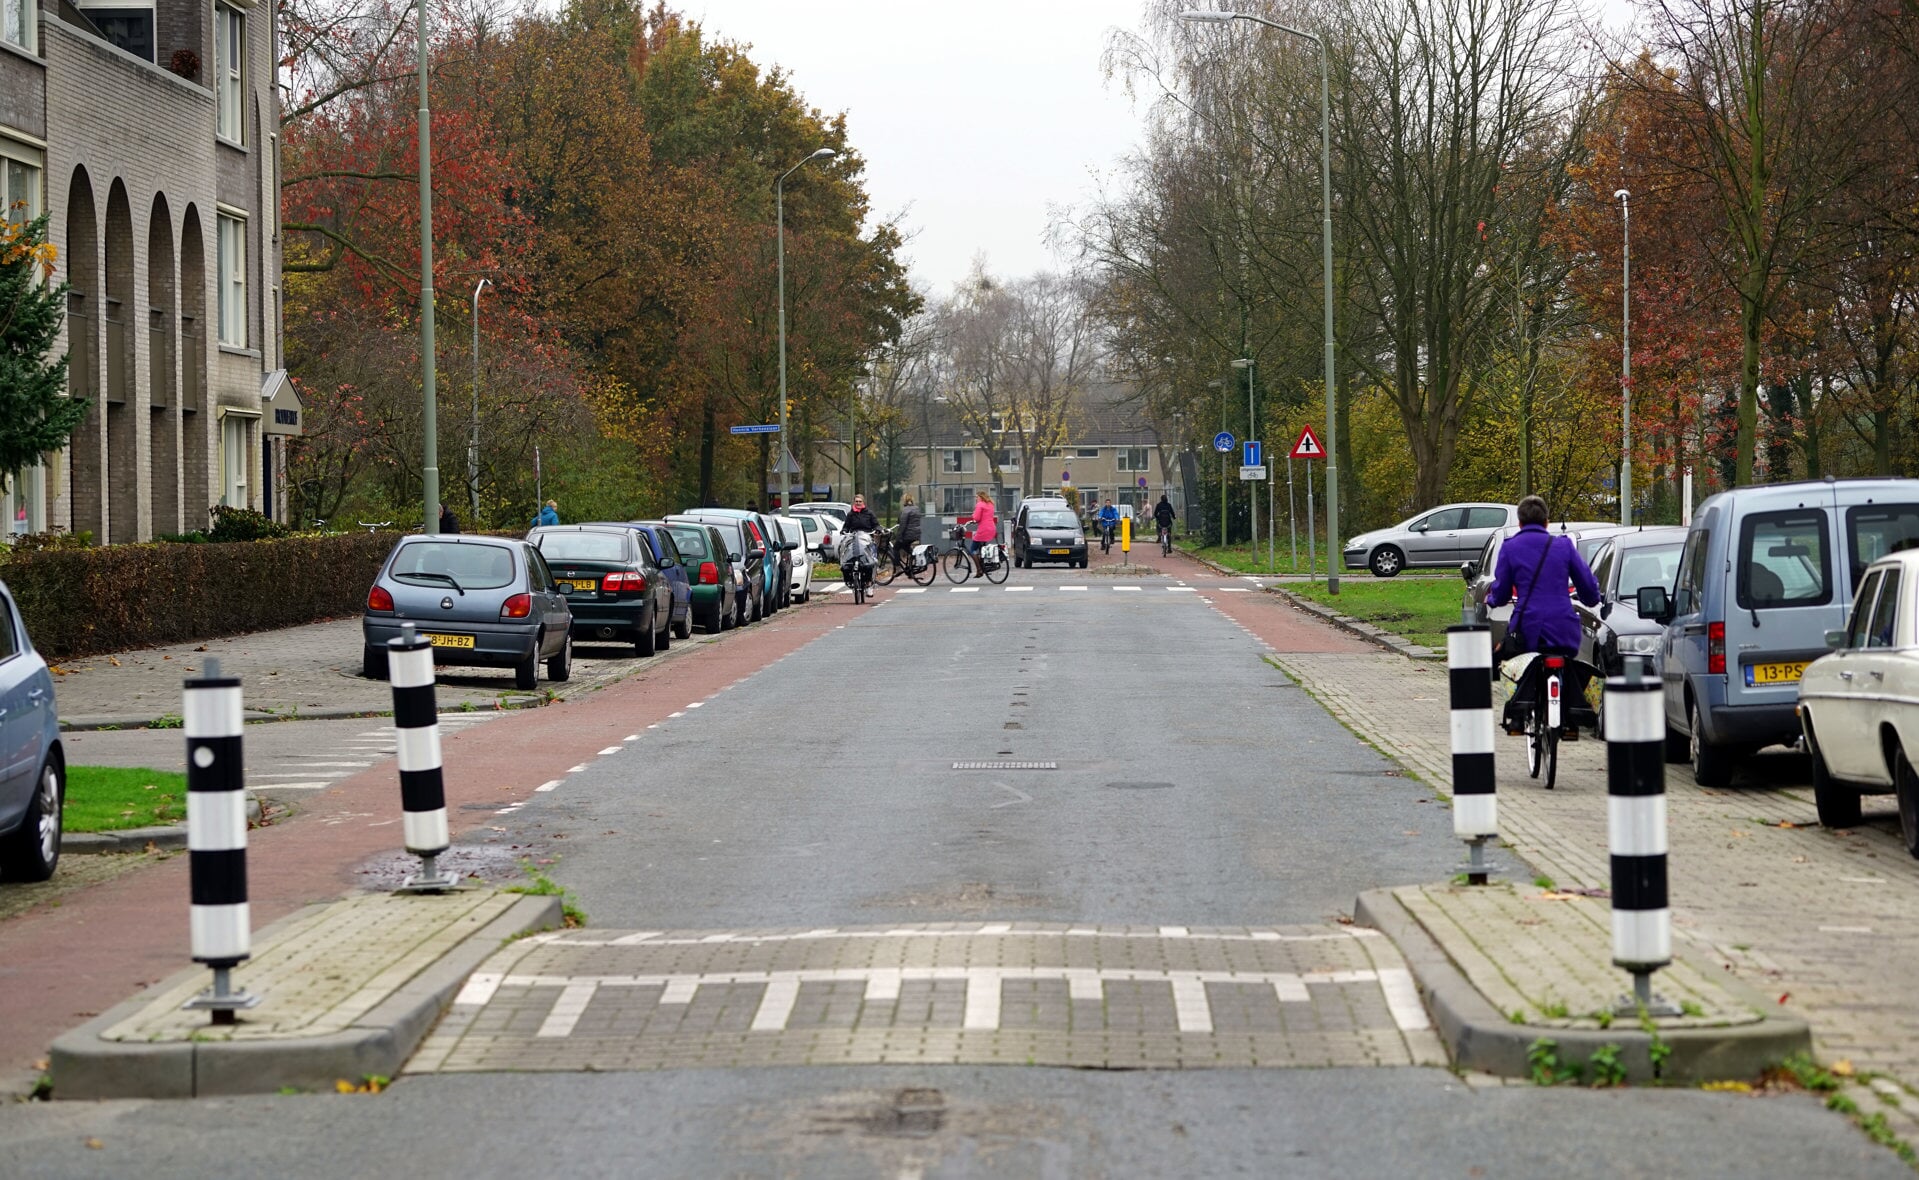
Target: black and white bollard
(220, 924)
(1636, 815)
(1469, 666)
(416, 721)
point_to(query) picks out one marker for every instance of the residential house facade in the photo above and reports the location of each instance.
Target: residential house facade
(149, 131)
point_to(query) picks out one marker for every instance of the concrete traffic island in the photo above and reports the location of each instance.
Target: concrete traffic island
(347, 989)
(1503, 967)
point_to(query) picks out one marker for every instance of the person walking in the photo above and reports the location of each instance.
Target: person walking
(549, 514)
(449, 523)
(985, 522)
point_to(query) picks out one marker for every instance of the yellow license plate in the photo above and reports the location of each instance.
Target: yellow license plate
(450, 640)
(1058, 552)
(1757, 674)
(580, 586)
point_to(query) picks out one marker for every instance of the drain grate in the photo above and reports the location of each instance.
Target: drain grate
(1005, 766)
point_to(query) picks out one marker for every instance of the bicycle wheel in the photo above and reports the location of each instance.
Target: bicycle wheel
(925, 574)
(1535, 740)
(1000, 572)
(888, 569)
(958, 566)
(1552, 756)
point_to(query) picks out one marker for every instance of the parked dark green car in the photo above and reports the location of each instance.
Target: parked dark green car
(711, 573)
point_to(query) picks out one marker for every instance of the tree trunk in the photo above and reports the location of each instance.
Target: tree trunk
(708, 429)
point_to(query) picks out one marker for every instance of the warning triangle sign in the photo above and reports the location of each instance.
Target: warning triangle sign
(1308, 446)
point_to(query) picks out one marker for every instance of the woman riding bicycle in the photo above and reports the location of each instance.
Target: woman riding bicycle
(1535, 567)
(985, 529)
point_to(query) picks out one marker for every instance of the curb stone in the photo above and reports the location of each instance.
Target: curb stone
(162, 836)
(86, 1066)
(87, 722)
(1481, 1038)
(1386, 639)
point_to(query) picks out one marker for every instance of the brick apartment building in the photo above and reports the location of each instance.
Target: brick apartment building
(149, 130)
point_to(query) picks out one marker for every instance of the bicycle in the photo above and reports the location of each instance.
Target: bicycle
(1105, 538)
(918, 565)
(1166, 540)
(956, 562)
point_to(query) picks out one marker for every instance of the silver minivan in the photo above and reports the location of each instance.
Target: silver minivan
(1765, 573)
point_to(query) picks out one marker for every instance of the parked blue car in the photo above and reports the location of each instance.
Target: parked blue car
(33, 765)
(666, 554)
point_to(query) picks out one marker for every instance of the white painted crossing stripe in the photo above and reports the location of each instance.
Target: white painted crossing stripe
(1234, 590)
(1348, 933)
(776, 1004)
(1181, 590)
(911, 590)
(883, 985)
(1128, 589)
(611, 750)
(1402, 999)
(634, 939)
(1172, 932)
(670, 716)
(549, 785)
(568, 1009)
(1063, 589)
(964, 590)
(679, 989)
(1291, 990)
(576, 769)
(1190, 1008)
(634, 737)
(696, 704)
(997, 928)
(1019, 589)
(1083, 984)
(982, 999)
(479, 987)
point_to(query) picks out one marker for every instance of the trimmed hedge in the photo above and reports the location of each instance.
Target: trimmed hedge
(81, 602)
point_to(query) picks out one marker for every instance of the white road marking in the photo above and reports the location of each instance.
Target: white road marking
(680, 989)
(1127, 589)
(568, 1009)
(1234, 590)
(1845, 930)
(1181, 590)
(883, 985)
(576, 769)
(1064, 588)
(964, 590)
(634, 939)
(1073, 932)
(1190, 1007)
(611, 750)
(634, 737)
(982, 999)
(996, 928)
(776, 1005)
(479, 988)
(308, 785)
(1402, 999)
(696, 704)
(1292, 990)
(548, 786)
(1172, 932)
(670, 716)
(1019, 589)
(911, 590)
(355, 765)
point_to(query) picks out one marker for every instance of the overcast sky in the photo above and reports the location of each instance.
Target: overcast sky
(976, 118)
(973, 117)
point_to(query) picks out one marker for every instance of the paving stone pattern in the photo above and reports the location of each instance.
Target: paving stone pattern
(1825, 922)
(1015, 993)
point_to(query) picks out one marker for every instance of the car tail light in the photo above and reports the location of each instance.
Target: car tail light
(517, 607)
(709, 574)
(378, 599)
(1716, 649)
(616, 582)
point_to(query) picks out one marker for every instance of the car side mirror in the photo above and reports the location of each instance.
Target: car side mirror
(1653, 603)
(733, 557)
(1421, 527)
(1468, 570)
(1836, 639)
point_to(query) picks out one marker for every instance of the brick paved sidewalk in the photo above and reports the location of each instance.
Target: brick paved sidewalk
(1824, 922)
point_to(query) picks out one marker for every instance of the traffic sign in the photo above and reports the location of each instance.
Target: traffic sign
(1252, 472)
(1250, 449)
(1066, 477)
(1142, 481)
(1223, 441)
(770, 428)
(1308, 446)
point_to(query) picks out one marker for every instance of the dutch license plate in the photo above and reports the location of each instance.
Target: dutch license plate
(1758, 674)
(449, 640)
(580, 586)
(1058, 552)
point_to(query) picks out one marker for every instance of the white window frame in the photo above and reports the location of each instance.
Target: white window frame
(230, 255)
(1124, 459)
(229, 72)
(14, 156)
(1085, 452)
(236, 459)
(957, 461)
(20, 24)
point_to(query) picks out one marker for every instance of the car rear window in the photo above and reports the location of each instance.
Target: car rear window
(474, 567)
(583, 546)
(1875, 530)
(692, 542)
(1784, 560)
(1654, 565)
(1057, 519)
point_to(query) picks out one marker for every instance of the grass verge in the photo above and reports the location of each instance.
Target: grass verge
(108, 798)
(1418, 608)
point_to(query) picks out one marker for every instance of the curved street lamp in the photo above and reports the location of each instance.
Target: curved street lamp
(779, 215)
(1211, 17)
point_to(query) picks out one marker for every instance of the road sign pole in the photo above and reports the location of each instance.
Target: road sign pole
(1292, 511)
(1272, 554)
(1312, 559)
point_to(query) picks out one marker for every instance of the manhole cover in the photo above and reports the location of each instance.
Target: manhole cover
(1141, 786)
(1005, 766)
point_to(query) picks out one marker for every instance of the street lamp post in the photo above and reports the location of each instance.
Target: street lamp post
(1625, 359)
(779, 215)
(1252, 432)
(430, 465)
(473, 443)
(1326, 258)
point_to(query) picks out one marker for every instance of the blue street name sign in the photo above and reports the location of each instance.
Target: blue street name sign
(772, 428)
(1223, 442)
(1252, 448)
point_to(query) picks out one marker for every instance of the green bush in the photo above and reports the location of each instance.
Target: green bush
(244, 524)
(78, 602)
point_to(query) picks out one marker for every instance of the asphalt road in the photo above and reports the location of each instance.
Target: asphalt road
(1194, 787)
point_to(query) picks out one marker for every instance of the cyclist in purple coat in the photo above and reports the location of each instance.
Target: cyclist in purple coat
(1535, 568)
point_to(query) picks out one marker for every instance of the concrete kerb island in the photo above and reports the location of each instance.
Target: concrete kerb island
(348, 989)
(1460, 943)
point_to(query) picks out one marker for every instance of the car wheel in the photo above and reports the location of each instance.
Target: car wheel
(1906, 783)
(1678, 746)
(684, 628)
(33, 850)
(559, 669)
(373, 662)
(526, 673)
(1386, 561)
(1711, 765)
(649, 640)
(666, 631)
(1838, 803)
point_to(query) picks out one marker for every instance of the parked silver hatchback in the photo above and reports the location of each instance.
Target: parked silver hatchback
(486, 601)
(1444, 536)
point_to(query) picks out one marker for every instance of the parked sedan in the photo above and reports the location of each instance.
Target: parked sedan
(679, 578)
(1859, 706)
(33, 771)
(1444, 536)
(1625, 562)
(713, 575)
(612, 584)
(748, 558)
(484, 601)
(817, 528)
(793, 535)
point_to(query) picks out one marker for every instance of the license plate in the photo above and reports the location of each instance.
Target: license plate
(450, 640)
(1757, 674)
(1058, 552)
(580, 586)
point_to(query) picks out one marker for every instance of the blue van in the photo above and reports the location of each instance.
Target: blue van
(1765, 573)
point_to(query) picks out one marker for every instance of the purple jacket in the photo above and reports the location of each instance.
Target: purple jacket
(1545, 619)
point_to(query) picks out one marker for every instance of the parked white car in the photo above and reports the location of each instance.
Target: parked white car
(803, 557)
(1859, 706)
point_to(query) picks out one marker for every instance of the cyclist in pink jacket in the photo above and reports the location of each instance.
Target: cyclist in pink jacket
(985, 528)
